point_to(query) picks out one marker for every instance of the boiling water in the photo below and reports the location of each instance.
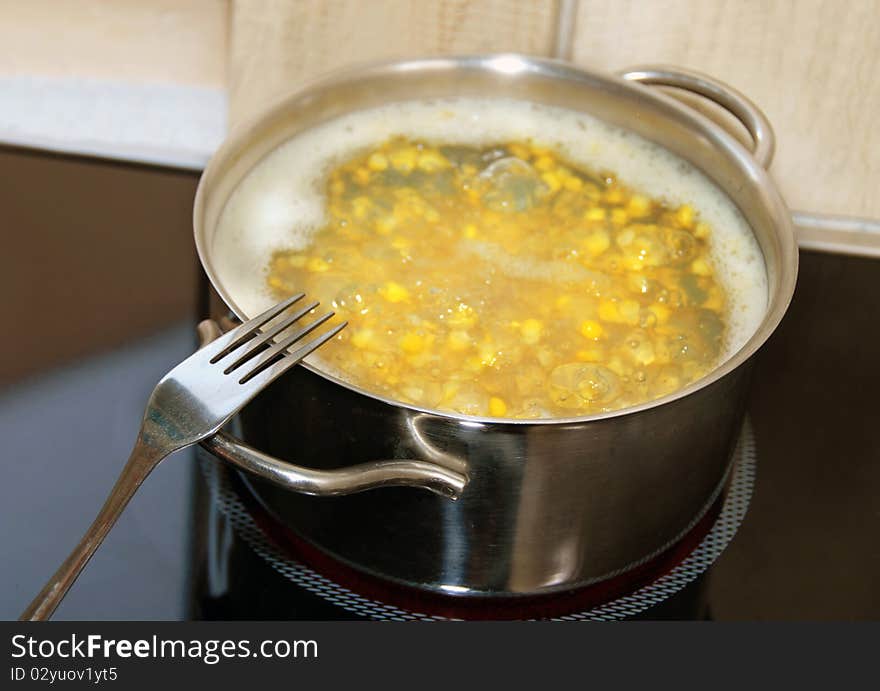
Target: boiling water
(280, 203)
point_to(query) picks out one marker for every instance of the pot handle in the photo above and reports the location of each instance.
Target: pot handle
(444, 481)
(751, 117)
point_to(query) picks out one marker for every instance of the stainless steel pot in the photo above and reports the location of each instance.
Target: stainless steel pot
(544, 504)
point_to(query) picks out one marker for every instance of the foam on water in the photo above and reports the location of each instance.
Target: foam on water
(279, 204)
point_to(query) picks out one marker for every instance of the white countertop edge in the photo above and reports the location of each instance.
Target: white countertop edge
(170, 125)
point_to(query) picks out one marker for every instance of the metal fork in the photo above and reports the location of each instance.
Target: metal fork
(190, 403)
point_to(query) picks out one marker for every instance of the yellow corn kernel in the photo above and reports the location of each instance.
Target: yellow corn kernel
(552, 181)
(638, 206)
(619, 217)
(702, 230)
(317, 265)
(469, 231)
(394, 292)
(400, 243)
(276, 282)
(545, 163)
(573, 183)
(636, 263)
(597, 241)
(531, 331)
(404, 159)
(497, 407)
(619, 312)
(431, 161)
(661, 311)
(412, 343)
(539, 150)
(473, 364)
(701, 267)
(362, 176)
(377, 161)
(684, 216)
(459, 340)
(363, 338)
(608, 310)
(337, 187)
(614, 195)
(592, 329)
(595, 213)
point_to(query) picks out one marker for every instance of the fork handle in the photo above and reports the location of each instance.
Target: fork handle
(144, 457)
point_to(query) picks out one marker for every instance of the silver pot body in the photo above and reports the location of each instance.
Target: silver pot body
(546, 505)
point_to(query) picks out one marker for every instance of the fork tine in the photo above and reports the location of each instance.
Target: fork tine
(266, 359)
(265, 375)
(246, 331)
(255, 346)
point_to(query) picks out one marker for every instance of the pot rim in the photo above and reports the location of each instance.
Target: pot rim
(508, 63)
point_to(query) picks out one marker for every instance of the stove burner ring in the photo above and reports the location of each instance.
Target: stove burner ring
(729, 518)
